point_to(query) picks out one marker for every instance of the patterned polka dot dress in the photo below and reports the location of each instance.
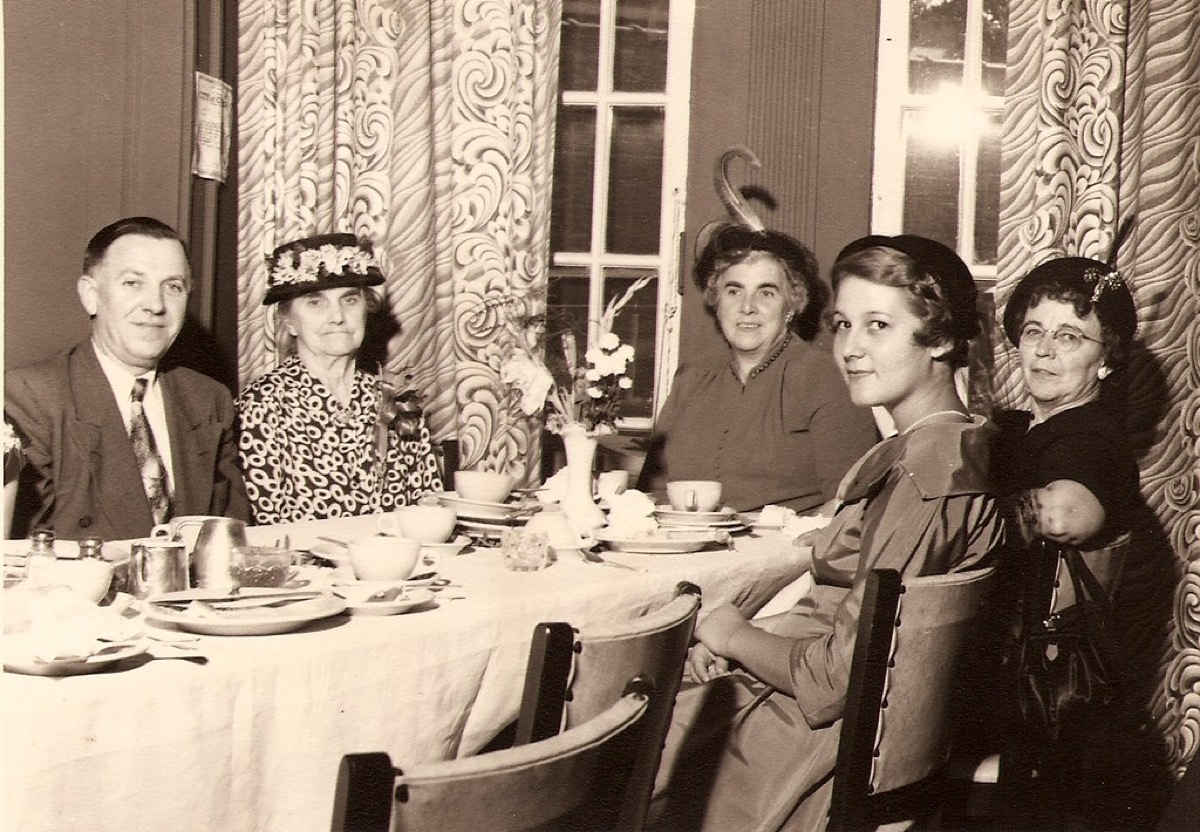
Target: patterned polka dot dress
(307, 457)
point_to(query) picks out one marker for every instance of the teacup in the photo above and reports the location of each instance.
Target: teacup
(483, 486)
(694, 495)
(423, 523)
(378, 558)
(611, 483)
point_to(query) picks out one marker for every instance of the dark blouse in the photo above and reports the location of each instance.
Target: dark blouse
(786, 436)
(1085, 444)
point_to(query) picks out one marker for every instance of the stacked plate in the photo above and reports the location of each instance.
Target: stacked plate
(726, 519)
(484, 520)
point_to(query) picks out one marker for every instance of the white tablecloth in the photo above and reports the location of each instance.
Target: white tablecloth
(252, 739)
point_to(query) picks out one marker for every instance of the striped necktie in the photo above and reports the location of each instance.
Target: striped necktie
(150, 464)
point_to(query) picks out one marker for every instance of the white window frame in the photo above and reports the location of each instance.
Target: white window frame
(674, 101)
(893, 100)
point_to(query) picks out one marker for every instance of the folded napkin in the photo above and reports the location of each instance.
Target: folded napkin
(631, 514)
(554, 489)
(62, 623)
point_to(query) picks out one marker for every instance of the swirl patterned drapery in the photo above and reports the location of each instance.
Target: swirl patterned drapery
(428, 129)
(1102, 122)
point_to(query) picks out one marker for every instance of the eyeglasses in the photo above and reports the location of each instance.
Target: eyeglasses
(1066, 338)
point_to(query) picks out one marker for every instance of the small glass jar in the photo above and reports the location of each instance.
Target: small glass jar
(41, 552)
(91, 547)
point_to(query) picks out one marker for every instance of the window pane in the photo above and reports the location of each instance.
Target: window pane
(635, 186)
(935, 44)
(987, 193)
(640, 53)
(579, 50)
(636, 325)
(566, 311)
(574, 161)
(931, 178)
(995, 45)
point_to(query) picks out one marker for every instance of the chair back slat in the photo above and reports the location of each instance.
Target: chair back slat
(897, 725)
(934, 620)
(557, 783)
(653, 647)
(572, 781)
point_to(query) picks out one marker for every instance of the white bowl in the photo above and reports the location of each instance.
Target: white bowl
(425, 524)
(483, 486)
(90, 577)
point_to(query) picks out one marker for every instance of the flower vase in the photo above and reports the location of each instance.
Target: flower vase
(578, 502)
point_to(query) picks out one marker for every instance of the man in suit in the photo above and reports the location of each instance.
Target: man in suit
(116, 439)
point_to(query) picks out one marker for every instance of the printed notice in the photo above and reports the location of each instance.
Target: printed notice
(213, 122)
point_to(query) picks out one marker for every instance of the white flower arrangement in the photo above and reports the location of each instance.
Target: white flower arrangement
(589, 396)
(308, 265)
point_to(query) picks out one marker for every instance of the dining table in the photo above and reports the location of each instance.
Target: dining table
(246, 732)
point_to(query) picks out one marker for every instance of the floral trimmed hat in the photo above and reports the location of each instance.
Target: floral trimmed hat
(313, 264)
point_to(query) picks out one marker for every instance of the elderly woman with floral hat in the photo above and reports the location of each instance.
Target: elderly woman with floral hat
(318, 436)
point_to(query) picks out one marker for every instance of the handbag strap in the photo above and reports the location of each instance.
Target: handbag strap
(1086, 585)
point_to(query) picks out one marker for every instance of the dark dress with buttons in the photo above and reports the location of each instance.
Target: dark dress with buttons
(786, 436)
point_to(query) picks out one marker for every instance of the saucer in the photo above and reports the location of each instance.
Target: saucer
(478, 509)
(450, 548)
(357, 603)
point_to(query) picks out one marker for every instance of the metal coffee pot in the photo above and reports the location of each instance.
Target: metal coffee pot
(213, 549)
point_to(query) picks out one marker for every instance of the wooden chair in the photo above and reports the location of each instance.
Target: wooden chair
(898, 724)
(570, 782)
(574, 676)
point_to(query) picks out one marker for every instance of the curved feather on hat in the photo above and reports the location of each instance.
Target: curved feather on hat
(741, 214)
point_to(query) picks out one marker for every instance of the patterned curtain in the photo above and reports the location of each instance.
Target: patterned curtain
(1102, 122)
(428, 129)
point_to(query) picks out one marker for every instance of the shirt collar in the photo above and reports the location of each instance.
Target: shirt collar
(118, 375)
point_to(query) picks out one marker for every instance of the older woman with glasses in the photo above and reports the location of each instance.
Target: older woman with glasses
(1069, 481)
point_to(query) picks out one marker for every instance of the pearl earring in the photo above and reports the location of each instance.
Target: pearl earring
(1103, 372)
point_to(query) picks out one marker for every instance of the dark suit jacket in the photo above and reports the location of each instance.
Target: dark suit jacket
(80, 478)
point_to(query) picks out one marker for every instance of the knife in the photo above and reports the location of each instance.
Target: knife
(240, 601)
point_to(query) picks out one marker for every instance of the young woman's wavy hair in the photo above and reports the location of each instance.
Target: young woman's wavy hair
(940, 319)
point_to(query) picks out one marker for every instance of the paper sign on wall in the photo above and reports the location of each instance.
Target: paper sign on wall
(213, 122)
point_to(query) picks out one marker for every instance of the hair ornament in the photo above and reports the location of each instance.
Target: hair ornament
(1103, 281)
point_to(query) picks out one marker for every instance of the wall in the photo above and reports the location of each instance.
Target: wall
(794, 80)
(95, 114)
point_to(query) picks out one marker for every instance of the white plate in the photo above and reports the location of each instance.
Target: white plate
(477, 508)
(19, 659)
(411, 600)
(255, 621)
(665, 514)
(730, 526)
(678, 542)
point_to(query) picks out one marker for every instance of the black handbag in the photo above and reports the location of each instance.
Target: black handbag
(1063, 661)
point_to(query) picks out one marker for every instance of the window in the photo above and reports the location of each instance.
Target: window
(619, 176)
(939, 108)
